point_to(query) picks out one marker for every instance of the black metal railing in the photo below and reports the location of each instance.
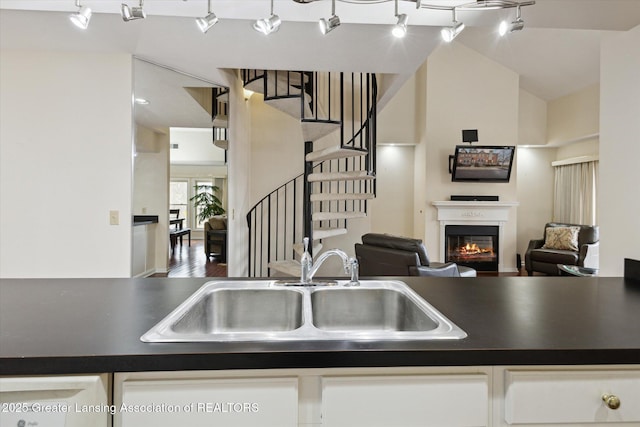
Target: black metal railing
(283, 217)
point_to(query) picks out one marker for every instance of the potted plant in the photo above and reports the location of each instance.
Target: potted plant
(206, 202)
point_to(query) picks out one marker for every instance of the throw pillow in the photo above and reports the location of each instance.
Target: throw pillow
(562, 238)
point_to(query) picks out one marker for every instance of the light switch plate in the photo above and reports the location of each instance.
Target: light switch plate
(114, 217)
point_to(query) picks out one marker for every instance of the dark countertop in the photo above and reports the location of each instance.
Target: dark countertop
(54, 326)
(144, 219)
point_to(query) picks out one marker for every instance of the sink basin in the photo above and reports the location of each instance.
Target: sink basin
(362, 309)
(265, 311)
(231, 311)
(242, 310)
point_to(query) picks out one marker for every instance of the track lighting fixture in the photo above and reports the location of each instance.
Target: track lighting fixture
(208, 21)
(450, 33)
(268, 25)
(400, 29)
(82, 17)
(328, 25)
(132, 13)
(516, 25)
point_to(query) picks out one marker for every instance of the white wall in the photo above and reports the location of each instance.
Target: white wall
(392, 209)
(240, 178)
(466, 90)
(574, 116)
(396, 121)
(65, 162)
(535, 182)
(532, 119)
(277, 147)
(150, 190)
(195, 146)
(618, 202)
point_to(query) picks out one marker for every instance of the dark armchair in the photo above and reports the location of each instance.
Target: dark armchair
(215, 234)
(387, 255)
(557, 247)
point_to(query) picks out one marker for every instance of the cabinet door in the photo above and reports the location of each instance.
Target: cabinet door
(565, 397)
(229, 402)
(55, 401)
(139, 251)
(403, 401)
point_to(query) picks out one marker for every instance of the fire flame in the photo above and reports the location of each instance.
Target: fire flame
(473, 249)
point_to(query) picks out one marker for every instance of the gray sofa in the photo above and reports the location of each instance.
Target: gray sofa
(539, 258)
(387, 255)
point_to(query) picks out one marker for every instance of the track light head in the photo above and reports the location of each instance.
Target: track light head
(328, 25)
(516, 25)
(450, 33)
(267, 26)
(132, 13)
(82, 17)
(400, 29)
(205, 24)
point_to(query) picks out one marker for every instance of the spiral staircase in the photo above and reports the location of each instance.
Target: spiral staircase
(337, 113)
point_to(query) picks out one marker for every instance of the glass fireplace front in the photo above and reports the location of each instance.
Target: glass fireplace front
(474, 246)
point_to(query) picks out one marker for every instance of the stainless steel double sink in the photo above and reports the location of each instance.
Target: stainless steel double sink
(265, 311)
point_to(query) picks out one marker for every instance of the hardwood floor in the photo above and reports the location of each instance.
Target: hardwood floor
(190, 261)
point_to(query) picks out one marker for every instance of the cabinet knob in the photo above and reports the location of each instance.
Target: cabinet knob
(611, 400)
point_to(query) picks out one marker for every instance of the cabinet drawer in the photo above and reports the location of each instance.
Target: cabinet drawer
(209, 402)
(403, 401)
(563, 397)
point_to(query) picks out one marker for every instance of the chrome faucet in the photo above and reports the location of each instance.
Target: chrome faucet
(309, 268)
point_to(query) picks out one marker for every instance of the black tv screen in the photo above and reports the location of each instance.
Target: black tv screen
(482, 163)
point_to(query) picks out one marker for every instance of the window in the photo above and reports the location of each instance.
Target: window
(179, 198)
(181, 190)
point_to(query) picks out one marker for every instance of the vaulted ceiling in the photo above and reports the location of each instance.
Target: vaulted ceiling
(557, 52)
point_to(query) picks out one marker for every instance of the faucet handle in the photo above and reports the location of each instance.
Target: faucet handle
(305, 244)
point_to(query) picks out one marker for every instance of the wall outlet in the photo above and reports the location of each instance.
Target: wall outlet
(114, 217)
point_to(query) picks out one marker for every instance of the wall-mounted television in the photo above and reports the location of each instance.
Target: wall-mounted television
(482, 163)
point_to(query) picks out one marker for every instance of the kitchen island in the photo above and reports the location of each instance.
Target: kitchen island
(556, 327)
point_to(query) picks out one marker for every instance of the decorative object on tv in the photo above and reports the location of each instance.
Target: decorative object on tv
(482, 163)
(470, 135)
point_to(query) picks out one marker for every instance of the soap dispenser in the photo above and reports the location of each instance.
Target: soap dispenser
(305, 263)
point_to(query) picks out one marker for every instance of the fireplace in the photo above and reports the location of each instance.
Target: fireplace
(474, 246)
(479, 214)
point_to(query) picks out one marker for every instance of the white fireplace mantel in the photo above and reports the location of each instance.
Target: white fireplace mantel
(474, 213)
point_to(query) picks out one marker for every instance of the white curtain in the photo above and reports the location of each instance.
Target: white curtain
(575, 193)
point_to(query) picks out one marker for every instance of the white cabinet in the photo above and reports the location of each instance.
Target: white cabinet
(55, 401)
(406, 400)
(353, 397)
(143, 250)
(185, 399)
(500, 396)
(570, 396)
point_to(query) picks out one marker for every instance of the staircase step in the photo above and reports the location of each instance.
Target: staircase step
(221, 144)
(287, 268)
(290, 106)
(325, 233)
(257, 86)
(341, 196)
(313, 130)
(223, 97)
(340, 176)
(220, 121)
(299, 247)
(330, 216)
(334, 153)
